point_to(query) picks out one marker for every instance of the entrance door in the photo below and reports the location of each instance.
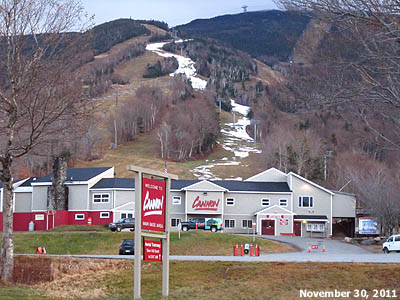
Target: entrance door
(50, 220)
(297, 228)
(268, 227)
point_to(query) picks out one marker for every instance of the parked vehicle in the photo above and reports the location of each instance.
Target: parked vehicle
(127, 247)
(213, 224)
(392, 244)
(122, 223)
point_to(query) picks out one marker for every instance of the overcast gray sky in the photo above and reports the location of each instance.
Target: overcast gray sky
(174, 12)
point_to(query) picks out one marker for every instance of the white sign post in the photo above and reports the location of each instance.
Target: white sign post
(254, 232)
(147, 226)
(179, 230)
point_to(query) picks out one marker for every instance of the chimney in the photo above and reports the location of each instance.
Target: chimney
(57, 193)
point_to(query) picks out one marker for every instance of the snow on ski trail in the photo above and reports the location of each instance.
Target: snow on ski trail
(235, 137)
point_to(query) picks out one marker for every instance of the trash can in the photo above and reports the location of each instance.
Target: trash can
(31, 226)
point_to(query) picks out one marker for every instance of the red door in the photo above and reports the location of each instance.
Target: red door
(297, 228)
(268, 227)
(50, 220)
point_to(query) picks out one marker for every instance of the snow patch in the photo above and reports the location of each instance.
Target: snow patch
(186, 65)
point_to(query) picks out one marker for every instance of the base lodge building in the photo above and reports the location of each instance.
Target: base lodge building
(277, 203)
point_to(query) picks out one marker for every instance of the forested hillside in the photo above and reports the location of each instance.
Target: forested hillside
(266, 35)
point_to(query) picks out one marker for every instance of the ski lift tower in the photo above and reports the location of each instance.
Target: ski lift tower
(244, 8)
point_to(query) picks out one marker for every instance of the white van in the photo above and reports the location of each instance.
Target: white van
(392, 244)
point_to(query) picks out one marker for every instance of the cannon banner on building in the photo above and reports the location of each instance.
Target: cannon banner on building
(204, 203)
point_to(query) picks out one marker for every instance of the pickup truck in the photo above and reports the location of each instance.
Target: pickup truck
(213, 224)
(122, 223)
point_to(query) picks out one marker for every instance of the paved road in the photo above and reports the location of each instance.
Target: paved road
(392, 258)
(331, 246)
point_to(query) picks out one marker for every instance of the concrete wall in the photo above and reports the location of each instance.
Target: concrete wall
(272, 175)
(250, 203)
(78, 197)
(321, 199)
(177, 209)
(238, 223)
(101, 205)
(344, 205)
(124, 197)
(39, 194)
(23, 202)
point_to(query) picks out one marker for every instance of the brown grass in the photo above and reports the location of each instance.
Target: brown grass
(112, 279)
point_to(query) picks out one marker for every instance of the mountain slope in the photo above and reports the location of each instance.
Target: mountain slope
(266, 35)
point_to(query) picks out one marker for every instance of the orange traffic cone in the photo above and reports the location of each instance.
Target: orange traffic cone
(309, 249)
(323, 248)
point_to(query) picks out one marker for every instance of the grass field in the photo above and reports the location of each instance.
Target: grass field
(94, 279)
(191, 243)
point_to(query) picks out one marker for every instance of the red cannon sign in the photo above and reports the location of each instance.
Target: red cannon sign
(205, 204)
(152, 250)
(153, 205)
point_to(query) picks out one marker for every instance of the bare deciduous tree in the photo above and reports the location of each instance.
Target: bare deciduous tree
(363, 72)
(39, 94)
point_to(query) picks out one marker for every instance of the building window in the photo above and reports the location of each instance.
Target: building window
(79, 217)
(101, 198)
(247, 223)
(176, 200)
(283, 202)
(230, 201)
(126, 215)
(175, 222)
(104, 215)
(306, 202)
(229, 223)
(315, 227)
(265, 202)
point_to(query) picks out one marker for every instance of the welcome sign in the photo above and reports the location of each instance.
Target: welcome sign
(153, 205)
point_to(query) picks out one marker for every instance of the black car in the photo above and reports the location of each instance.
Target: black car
(122, 223)
(127, 247)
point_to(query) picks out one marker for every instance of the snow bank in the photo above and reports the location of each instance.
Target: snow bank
(186, 65)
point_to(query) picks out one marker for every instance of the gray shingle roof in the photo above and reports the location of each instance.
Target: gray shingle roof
(310, 217)
(116, 183)
(238, 186)
(231, 185)
(77, 174)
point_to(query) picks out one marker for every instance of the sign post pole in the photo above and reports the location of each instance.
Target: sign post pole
(138, 236)
(152, 201)
(165, 246)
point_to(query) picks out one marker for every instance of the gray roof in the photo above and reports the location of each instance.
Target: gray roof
(76, 174)
(115, 183)
(231, 185)
(238, 186)
(310, 217)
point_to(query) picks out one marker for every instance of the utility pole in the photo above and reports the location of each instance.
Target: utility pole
(255, 122)
(219, 100)
(326, 155)
(115, 121)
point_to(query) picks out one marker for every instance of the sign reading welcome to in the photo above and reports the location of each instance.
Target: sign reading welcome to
(153, 205)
